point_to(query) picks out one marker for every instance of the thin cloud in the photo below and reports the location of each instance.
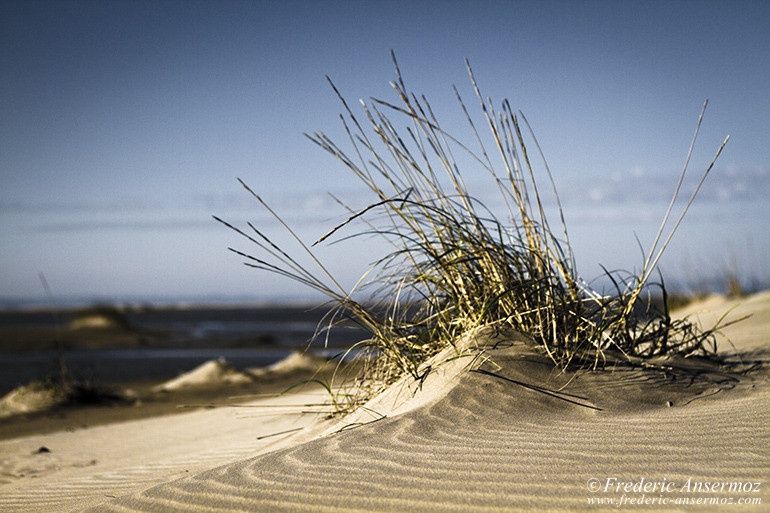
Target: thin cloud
(645, 187)
(122, 225)
(53, 207)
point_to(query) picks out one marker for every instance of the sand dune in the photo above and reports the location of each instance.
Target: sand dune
(29, 398)
(511, 435)
(219, 371)
(506, 433)
(213, 371)
(466, 453)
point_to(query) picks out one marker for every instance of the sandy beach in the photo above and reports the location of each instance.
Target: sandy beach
(502, 431)
(379, 257)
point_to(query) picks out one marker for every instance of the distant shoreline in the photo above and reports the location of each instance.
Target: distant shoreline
(112, 344)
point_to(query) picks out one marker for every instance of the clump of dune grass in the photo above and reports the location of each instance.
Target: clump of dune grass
(455, 265)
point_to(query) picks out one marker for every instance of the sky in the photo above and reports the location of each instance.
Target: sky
(124, 126)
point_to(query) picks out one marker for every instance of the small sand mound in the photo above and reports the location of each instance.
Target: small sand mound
(93, 322)
(40, 396)
(209, 373)
(296, 361)
(98, 318)
(29, 399)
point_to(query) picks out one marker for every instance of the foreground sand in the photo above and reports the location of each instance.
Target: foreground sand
(510, 435)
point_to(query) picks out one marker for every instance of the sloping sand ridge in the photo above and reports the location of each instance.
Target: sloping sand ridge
(510, 434)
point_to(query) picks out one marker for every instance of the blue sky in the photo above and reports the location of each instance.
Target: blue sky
(123, 127)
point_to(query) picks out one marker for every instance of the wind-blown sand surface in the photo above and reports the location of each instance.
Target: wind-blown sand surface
(503, 432)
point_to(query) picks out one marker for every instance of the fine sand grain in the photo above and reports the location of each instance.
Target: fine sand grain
(502, 432)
